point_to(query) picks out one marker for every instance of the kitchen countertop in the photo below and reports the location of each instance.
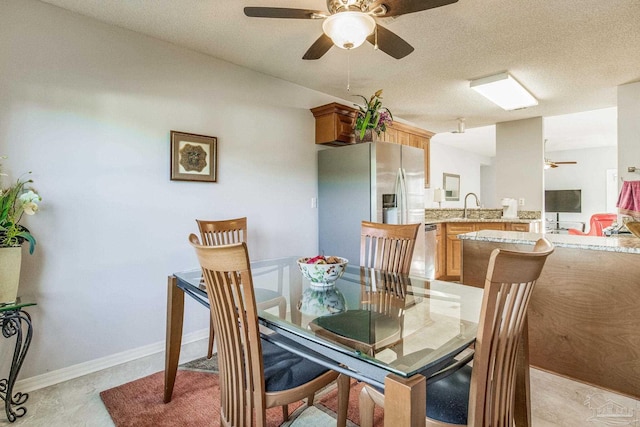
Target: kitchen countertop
(626, 244)
(474, 220)
(440, 216)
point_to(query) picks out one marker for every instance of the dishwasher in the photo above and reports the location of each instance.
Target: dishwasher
(430, 250)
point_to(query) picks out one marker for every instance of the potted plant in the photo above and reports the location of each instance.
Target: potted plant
(15, 201)
(372, 116)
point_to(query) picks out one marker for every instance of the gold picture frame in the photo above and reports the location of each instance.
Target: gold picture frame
(193, 157)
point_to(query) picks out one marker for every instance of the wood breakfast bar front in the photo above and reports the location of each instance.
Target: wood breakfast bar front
(584, 314)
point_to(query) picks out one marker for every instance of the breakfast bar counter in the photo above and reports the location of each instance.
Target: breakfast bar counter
(584, 314)
(619, 243)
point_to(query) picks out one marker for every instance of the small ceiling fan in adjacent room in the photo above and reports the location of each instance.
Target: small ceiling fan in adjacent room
(549, 164)
(348, 23)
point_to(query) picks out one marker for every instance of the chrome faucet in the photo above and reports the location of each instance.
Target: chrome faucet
(465, 202)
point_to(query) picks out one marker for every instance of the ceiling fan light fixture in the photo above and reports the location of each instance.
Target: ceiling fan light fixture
(505, 91)
(348, 30)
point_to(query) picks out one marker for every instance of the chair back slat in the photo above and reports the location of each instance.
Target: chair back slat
(508, 286)
(223, 232)
(386, 293)
(387, 247)
(229, 286)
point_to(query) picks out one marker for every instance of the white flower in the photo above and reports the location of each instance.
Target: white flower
(29, 197)
(30, 208)
(29, 202)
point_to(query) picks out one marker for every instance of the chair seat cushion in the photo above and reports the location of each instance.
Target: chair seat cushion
(284, 370)
(366, 326)
(448, 398)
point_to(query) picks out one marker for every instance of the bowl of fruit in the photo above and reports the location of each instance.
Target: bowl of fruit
(322, 271)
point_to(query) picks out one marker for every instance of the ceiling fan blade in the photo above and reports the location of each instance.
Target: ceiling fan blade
(319, 47)
(402, 7)
(281, 12)
(566, 163)
(390, 43)
(553, 165)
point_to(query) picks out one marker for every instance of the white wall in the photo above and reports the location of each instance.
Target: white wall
(88, 108)
(445, 159)
(629, 130)
(588, 175)
(519, 162)
(488, 181)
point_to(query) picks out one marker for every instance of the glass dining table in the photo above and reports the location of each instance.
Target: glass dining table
(391, 331)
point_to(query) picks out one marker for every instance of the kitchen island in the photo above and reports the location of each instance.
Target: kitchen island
(584, 314)
(452, 222)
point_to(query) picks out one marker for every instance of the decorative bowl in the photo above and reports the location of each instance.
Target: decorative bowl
(322, 301)
(322, 275)
(634, 227)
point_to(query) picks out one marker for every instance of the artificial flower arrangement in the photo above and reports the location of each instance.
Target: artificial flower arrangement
(15, 201)
(372, 115)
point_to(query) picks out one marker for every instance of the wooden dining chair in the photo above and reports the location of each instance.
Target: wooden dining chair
(254, 373)
(483, 395)
(378, 322)
(225, 232)
(387, 247)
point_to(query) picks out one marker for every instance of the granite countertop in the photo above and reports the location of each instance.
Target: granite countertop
(626, 244)
(509, 220)
(438, 216)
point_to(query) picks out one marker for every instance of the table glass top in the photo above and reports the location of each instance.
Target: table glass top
(400, 323)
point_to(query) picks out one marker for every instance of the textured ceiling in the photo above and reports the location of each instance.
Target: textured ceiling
(570, 54)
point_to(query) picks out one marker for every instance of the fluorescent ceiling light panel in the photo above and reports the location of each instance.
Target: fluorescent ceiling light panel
(505, 91)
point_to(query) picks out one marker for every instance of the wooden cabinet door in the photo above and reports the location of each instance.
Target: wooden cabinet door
(403, 137)
(454, 260)
(440, 267)
(454, 246)
(390, 135)
(334, 124)
(513, 226)
(489, 226)
(416, 140)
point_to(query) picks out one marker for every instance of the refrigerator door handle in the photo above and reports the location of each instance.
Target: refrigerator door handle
(398, 191)
(404, 211)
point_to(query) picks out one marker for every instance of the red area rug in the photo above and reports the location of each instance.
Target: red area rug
(196, 402)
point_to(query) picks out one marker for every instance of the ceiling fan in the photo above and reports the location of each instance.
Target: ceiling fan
(548, 164)
(350, 22)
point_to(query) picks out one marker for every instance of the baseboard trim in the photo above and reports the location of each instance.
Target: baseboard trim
(75, 371)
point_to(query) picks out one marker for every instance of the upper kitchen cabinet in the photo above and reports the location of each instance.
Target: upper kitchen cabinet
(334, 127)
(400, 133)
(334, 124)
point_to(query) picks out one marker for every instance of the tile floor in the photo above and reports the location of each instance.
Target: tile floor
(555, 401)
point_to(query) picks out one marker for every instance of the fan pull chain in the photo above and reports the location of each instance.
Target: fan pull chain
(348, 70)
(375, 36)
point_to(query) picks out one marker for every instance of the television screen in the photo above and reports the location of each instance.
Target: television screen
(563, 201)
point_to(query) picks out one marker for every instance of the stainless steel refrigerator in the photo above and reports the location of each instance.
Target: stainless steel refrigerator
(378, 182)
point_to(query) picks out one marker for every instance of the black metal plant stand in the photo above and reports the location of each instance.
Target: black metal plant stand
(15, 322)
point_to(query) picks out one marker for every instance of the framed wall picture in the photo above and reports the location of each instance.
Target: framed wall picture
(193, 157)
